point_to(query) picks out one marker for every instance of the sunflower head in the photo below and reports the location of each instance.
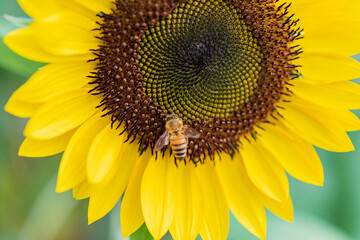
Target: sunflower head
(243, 83)
(221, 66)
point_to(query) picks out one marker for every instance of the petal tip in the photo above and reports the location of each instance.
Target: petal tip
(260, 232)
(61, 185)
(91, 216)
(290, 218)
(11, 107)
(125, 233)
(7, 38)
(90, 221)
(61, 188)
(21, 151)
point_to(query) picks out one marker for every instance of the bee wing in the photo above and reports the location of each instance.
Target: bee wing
(192, 133)
(163, 140)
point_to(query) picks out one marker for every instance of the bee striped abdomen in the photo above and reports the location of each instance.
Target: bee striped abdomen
(179, 145)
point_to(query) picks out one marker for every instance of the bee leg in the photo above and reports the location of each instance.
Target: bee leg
(175, 161)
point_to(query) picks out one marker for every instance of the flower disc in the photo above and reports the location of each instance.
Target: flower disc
(201, 61)
(219, 65)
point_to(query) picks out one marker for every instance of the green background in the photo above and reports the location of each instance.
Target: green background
(30, 208)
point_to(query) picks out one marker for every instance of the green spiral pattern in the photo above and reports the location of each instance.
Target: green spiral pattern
(201, 61)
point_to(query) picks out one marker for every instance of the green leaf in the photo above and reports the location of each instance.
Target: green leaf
(141, 234)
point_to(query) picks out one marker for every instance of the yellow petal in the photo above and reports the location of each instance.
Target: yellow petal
(126, 160)
(53, 79)
(346, 86)
(84, 190)
(68, 36)
(348, 120)
(131, 216)
(334, 30)
(39, 8)
(42, 148)
(332, 67)
(105, 199)
(242, 200)
(68, 33)
(297, 156)
(89, 8)
(320, 130)
(283, 209)
(188, 202)
(312, 15)
(20, 108)
(338, 95)
(335, 35)
(24, 42)
(127, 152)
(56, 117)
(216, 212)
(104, 151)
(96, 5)
(156, 199)
(264, 171)
(72, 170)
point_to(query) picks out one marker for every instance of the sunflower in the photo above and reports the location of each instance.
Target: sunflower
(260, 81)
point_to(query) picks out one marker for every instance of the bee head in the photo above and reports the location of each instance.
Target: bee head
(173, 122)
(170, 117)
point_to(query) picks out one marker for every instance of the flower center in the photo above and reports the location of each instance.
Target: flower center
(220, 65)
(201, 61)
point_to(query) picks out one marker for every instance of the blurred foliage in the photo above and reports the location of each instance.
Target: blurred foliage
(12, 17)
(30, 208)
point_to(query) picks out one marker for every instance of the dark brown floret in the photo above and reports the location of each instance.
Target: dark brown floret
(146, 54)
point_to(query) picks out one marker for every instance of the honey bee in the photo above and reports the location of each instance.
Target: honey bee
(177, 135)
